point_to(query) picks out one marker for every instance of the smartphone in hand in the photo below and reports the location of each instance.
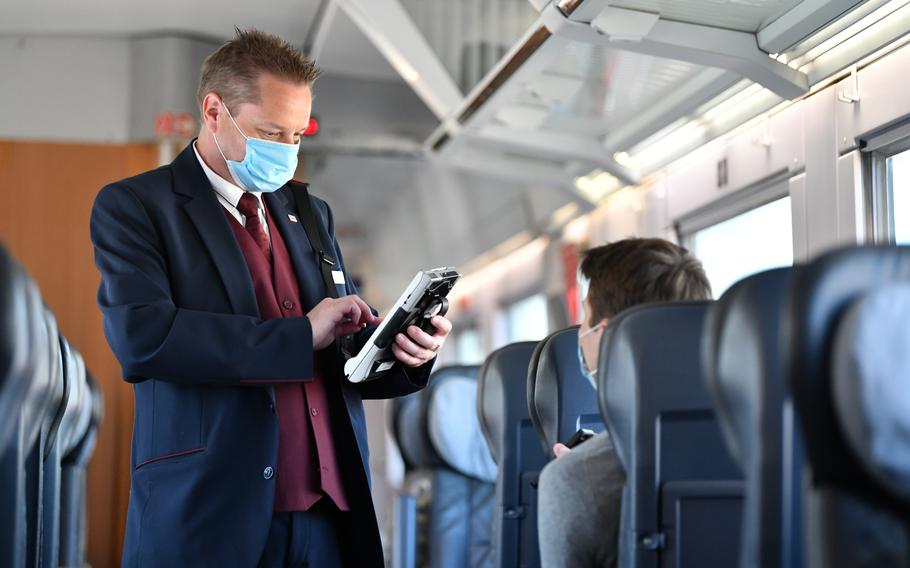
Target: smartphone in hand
(579, 437)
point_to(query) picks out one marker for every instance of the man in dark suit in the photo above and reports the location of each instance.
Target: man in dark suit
(249, 446)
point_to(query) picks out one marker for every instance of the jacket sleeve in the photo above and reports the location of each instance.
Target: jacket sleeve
(400, 381)
(153, 338)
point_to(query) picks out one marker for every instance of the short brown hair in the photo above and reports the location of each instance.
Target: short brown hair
(634, 271)
(234, 69)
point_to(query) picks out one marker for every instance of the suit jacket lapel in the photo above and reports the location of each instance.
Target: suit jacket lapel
(303, 256)
(207, 215)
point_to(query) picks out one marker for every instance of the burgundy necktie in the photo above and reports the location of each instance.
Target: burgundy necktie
(249, 207)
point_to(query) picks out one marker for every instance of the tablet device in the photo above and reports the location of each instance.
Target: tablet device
(424, 298)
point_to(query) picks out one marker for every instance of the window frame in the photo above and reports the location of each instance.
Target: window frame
(876, 150)
(767, 190)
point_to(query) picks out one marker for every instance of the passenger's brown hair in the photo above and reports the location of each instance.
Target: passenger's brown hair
(626, 273)
(234, 69)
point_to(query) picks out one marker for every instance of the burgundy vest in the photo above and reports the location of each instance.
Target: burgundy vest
(307, 459)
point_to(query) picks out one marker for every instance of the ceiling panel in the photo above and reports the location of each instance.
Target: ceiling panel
(743, 15)
(288, 18)
(601, 87)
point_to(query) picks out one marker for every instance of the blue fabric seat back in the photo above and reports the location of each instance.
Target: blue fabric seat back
(561, 400)
(683, 495)
(411, 435)
(745, 376)
(503, 411)
(462, 500)
(855, 522)
(439, 445)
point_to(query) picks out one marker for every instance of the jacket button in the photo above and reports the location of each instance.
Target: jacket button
(268, 472)
(314, 412)
(287, 304)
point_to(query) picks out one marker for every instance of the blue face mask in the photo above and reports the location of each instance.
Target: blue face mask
(581, 358)
(266, 166)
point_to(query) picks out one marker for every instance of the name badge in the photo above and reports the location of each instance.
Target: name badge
(338, 276)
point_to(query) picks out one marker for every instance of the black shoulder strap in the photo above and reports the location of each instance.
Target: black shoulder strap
(326, 260)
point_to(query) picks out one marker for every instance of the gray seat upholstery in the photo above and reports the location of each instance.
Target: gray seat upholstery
(441, 442)
(506, 424)
(852, 518)
(683, 496)
(745, 376)
(560, 398)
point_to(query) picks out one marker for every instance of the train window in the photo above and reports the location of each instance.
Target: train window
(468, 348)
(899, 188)
(759, 239)
(891, 195)
(526, 319)
(888, 184)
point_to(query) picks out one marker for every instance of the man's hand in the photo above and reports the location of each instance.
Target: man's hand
(560, 450)
(332, 318)
(418, 347)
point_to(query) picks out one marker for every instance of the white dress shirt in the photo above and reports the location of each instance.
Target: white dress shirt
(229, 195)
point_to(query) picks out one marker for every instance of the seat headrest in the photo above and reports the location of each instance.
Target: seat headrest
(84, 448)
(821, 293)
(650, 362)
(77, 416)
(411, 434)
(559, 396)
(58, 385)
(871, 368)
(502, 393)
(450, 402)
(740, 353)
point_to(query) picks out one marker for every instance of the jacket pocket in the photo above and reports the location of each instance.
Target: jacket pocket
(169, 456)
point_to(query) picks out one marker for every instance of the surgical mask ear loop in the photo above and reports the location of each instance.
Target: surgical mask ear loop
(584, 362)
(217, 145)
(231, 116)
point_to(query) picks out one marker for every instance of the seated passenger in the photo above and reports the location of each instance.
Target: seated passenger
(581, 490)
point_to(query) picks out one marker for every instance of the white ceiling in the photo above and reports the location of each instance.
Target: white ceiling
(743, 15)
(288, 18)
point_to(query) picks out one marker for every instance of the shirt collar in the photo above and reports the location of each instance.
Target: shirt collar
(229, 191)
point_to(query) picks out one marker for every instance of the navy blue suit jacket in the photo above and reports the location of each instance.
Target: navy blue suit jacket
(181, 316)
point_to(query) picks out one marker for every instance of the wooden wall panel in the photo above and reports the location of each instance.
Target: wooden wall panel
(46, 196)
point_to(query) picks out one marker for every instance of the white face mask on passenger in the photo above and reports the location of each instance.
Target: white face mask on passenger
(581, 357)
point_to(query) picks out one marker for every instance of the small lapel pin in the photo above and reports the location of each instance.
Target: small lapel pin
(292, 218)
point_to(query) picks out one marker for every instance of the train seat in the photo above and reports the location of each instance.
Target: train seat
(506, 424)
(73, 472)
(745, 377)
(30, 393)
(683, 496)
(561, 400)
(463, 498)
(853, 517)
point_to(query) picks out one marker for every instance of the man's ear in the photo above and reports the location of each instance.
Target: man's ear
(211, 107)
